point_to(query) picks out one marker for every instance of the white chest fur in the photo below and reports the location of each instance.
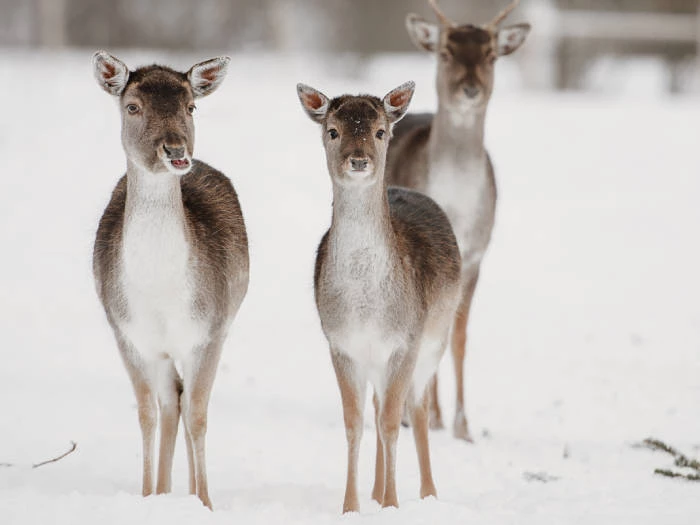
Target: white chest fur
(462, 191)
(360, 284)
(158, 284)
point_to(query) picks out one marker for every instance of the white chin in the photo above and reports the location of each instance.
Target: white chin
(358, 174)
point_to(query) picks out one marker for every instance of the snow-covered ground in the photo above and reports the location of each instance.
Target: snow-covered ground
(585, 334)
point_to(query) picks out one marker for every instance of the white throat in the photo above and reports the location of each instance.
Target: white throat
(156, 273)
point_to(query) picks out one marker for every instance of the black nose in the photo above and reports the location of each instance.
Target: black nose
(358, 164)
(471, 91)
(174, 152)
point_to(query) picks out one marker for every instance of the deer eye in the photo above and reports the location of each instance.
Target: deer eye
(191, 108)
(333, 133)
(132, 109)
(380, 134)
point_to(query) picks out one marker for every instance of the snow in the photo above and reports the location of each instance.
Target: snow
(585, 333)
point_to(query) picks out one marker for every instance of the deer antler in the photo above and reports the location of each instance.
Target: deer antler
(493, 25)
(441, 16)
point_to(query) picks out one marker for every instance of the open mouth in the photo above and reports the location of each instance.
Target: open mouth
(180, 164)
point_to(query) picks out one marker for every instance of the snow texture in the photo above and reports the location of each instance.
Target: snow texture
(584, 339)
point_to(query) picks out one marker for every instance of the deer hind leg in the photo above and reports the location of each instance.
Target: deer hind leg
(169, 390)
(141, 375)
(419, 421)
(352, 392)
(459, 342)
(378, 490)
(199, 374)
(391, 404)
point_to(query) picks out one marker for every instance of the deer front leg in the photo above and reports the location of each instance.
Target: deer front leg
(190, 451)
(378, 490)
(169, 389)
(459, 342)
(391, 404)
(419, 422)
(141, 375)
(352, 392)
(199, 374)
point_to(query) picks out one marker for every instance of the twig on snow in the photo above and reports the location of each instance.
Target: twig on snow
(73, 446)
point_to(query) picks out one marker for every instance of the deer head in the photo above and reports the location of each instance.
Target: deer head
(466, 54)
(356, 130)
(156, 105)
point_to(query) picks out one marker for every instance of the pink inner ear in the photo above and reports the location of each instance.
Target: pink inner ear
(109, 70)
(209, 74)
(312, 100)
(399, 98)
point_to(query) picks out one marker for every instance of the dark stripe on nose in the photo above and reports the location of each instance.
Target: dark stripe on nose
(358, 164)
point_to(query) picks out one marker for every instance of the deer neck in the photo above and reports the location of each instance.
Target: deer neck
(361, 232)
(457, 138)
(154, 195)
(156, 240)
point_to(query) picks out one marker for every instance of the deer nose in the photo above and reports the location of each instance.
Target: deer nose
(471, 91)
(359, 164)
(174, 152)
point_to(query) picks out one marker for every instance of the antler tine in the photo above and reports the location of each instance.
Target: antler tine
(441, 16)
(503, 14)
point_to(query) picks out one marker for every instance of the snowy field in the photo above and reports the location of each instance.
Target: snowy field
(585, 334)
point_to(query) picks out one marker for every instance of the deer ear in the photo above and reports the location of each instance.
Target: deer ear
(396, 101)
(206, 76)
(423, 34)
(511, 38)
(313, 101)
(110, 72)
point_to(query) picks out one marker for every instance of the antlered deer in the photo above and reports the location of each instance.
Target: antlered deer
(443, 155)
(386, 283)
(170, 258)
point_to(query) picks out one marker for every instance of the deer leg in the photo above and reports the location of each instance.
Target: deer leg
(141, 375)
(169, 389)
(391, 406)
(199, 374)
(352, 392)
(434, 412)
(419, 421)
(190, 451)
(459, 342)
(378, 490)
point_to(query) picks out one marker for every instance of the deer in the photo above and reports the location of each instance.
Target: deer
(170, 259)
(443, 155)
(386, 283)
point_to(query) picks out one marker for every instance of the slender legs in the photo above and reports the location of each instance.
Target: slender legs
(190, 398)
(459, 341)
(434, 412)
(419, 422)
(389, 403)
(378, 490)
(199, 376)
(169, 389)
(141, 379)
(352, 392)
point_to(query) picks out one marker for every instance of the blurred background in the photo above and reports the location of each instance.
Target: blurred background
(575, 44)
